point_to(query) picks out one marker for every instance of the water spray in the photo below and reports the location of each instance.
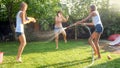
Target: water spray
(69, 26)
(46, 37)
(51, 34)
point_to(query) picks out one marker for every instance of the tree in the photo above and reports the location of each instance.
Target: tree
(43, 10)
(8, 10)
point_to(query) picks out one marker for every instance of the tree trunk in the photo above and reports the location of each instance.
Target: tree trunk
(36, 27)
(12, 26)
(9, 7)
(75, 32)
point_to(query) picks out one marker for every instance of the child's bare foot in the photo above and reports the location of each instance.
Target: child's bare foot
(95, 54)
(19, 60)
(98, 58)
(65, 41)
(56, 47)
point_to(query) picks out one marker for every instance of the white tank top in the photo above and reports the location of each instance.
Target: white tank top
(96, 19)
(19, 24)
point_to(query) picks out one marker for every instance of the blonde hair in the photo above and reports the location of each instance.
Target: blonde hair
(93, 7)
(22, 5)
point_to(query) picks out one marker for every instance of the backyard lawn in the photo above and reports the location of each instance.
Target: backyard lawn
(74, 54)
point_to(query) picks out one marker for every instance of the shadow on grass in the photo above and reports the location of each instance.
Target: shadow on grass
(109, 64)
(13, 62)
(10, 48)
(67, 64)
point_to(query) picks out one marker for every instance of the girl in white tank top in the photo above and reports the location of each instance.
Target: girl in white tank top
(95, 36)
(96, 19)
(20, 21)
(19, 24)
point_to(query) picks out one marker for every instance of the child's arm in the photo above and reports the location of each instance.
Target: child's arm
(24, 21)
(88, 24)
(84, 20)
(32, 19)
(88, 17)
(65, 19)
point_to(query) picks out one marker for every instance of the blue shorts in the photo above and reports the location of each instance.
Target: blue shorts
(99, 28)
(58, 29)
(18, 34)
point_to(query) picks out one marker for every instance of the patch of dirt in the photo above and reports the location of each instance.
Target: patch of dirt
(113, 49)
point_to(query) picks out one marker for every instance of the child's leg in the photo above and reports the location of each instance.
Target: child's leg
(22, 40)
(64, 35)
(90, 40)
(56, 39)
(96, 42)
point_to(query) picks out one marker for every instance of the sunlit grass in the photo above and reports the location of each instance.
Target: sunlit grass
(74, 54)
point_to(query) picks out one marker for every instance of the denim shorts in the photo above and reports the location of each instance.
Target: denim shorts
(18, 34)
(58, 29)
(99, 28)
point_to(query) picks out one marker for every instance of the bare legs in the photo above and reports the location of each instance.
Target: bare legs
(94, 42)
(57, 37)
(64, 36)
(22, 40)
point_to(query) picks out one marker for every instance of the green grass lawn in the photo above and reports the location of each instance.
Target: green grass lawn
(74, 54)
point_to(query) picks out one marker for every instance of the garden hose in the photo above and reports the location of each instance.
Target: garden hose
(92, 52)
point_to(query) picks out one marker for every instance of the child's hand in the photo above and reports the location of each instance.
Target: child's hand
(67, 17)
(77, 23)
(32, 19)
(83, 24)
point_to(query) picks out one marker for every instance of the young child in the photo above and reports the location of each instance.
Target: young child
(96, 21)
(59, 28)
(21, 19)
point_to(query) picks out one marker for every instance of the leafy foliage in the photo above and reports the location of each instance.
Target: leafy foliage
(45, 10)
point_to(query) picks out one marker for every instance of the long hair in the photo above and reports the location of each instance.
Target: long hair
(22, 5)
(93, 7)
